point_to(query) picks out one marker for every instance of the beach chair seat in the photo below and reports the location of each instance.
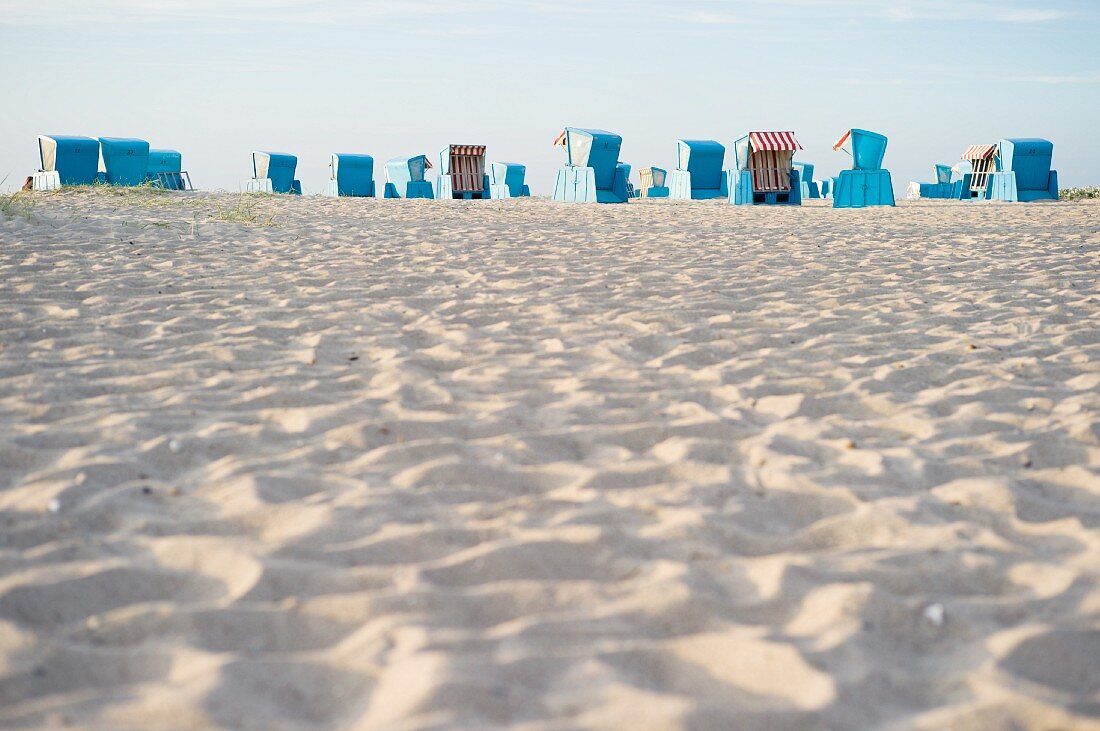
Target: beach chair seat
(123, 161)
(1023, 171)
(592, 173)
(352, 176)
(699, 174)
(506, 180)
(652, 183)
(166, 171)
(462, 173)
(66, 160)
(765, 172)
(405, 177)
(866, 183)
(273, 172)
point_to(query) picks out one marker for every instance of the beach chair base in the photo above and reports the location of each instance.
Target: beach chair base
(415, 189)
(173, 181)
(503, 190)
(332, 190)
(46, 180)
(1002, 187)
(811, 189)
(578, 185)
(945, 191)
(679, 187)
(656, 191)
(826, 188)
(258, 185)
(862, 188)
(445, 186)
(744, 195)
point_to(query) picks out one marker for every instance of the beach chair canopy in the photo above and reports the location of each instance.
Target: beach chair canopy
(652, 177)
(943, 173)
(1029, 158)
(407, 169)
(164, 161)
(866, 148)
(805, 171)
(592, 148)
(353, 173)
(769, 156)
(982, 162)
(466, 166)
(508, 173)
(74, 159)
(278, 167)
(980, 152)
(124, 160)
(703, 159)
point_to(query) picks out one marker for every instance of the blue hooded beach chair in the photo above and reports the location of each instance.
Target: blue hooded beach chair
(698, 174)
(867, 183)
(810, 187)
(66, 160)
(123, 160)
(405, 177)
(166, 170)
(943, 187)
(506, 180)
(592, 173)
(765, 172)
(462, 173)
(652, 183)
(1023, 171)
(273, 172)
(352, 176)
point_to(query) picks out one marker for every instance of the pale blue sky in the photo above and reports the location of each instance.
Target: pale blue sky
(216, 79)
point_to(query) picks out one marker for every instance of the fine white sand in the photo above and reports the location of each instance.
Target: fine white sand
(361, 464)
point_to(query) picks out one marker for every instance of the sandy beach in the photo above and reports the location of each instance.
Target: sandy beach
(308, 463)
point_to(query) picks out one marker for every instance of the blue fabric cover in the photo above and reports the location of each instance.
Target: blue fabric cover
(1030, 159)
(164, 161)
(703, 159)
(76, 159)
(596, 149)
(354, 174)
(125, 160)
(280, 170)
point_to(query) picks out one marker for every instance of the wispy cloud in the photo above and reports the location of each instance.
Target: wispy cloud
(1093, 78)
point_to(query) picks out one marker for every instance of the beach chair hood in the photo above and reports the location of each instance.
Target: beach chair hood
(278, 167)
(74, 159)
(805, 170)
(943, 174)
(866, 148)
(703, 159)
(353, 173)
(124, 160)
(164, 161)
(1029, 158)
(592, 148)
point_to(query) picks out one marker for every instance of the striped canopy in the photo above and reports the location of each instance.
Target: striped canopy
(979, 152)
(773, 141)
(467, 149)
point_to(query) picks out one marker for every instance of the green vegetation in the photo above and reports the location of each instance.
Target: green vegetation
(245, 212)
(1077, 194)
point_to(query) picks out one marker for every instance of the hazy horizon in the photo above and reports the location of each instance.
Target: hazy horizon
(217, 80)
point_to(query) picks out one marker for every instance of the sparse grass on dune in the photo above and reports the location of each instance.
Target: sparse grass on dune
(1077, 194)
(245, 211)
(17, 204)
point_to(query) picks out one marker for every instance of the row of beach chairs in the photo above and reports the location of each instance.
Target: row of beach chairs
(764, 173)
(1013, 169)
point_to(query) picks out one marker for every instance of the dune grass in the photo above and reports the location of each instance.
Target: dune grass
(1077, 194)
(246, 212)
